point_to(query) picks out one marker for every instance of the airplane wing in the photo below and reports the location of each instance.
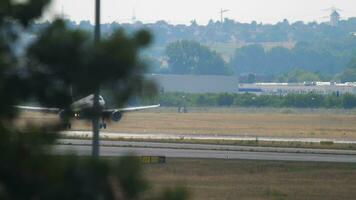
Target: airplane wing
(129, 109)
(38, 109)
(57, 110)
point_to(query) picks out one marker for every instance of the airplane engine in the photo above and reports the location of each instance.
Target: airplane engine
(63, 115)
(116, 116)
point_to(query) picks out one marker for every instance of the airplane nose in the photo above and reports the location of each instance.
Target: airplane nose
(102, 102)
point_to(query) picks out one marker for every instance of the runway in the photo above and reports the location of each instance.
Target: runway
(171, 150)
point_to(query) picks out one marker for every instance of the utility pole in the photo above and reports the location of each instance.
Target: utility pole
(96, 108)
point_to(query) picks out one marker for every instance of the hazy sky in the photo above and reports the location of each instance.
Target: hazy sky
(183, 11)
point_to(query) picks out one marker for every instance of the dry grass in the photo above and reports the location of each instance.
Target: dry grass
(323, 125)
(237, 179)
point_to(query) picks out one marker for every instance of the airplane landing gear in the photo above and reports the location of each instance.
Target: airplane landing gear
(67, 126)
(102, 125)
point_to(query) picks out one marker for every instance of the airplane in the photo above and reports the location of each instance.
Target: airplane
(80, 110)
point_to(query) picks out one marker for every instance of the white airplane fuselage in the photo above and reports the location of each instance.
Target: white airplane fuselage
(86, 103)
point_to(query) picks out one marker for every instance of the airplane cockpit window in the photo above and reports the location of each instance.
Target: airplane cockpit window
(100, 98)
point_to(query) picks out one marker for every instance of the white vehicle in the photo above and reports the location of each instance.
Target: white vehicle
(80, 110)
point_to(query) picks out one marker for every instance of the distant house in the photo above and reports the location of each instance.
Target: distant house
(196, 83)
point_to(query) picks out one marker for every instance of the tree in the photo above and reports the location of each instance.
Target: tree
(324, 56)
(58, 59)
(249, 59)
(348, 101)
(278, 60)
(69, 58)
(251, 78)
(349, 74)
(225, 99)
(190, 57)
(298, 76)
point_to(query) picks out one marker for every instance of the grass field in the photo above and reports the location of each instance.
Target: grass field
(238, 179)
(286, 123)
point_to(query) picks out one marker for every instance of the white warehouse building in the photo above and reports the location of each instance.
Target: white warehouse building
(298, 88)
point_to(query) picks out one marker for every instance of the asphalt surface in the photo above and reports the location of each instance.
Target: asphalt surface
(116, 148)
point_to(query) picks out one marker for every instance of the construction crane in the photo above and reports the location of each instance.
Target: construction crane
(222, 11)
(332, 9)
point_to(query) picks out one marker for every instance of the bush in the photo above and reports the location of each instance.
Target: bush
(310, 100)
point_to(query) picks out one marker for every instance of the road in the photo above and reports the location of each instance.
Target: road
(115, 148)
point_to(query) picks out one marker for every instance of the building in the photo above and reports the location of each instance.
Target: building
(298, 88)
(196, 83)
(230, 84)
(334, 18)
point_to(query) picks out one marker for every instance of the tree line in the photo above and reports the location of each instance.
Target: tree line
(304, 62)
(327, 57)
(229, 30)
(311, 100)
(318, 47)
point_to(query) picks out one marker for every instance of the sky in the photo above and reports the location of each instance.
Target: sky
(184, 11)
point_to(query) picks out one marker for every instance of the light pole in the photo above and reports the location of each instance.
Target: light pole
(95, 120)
